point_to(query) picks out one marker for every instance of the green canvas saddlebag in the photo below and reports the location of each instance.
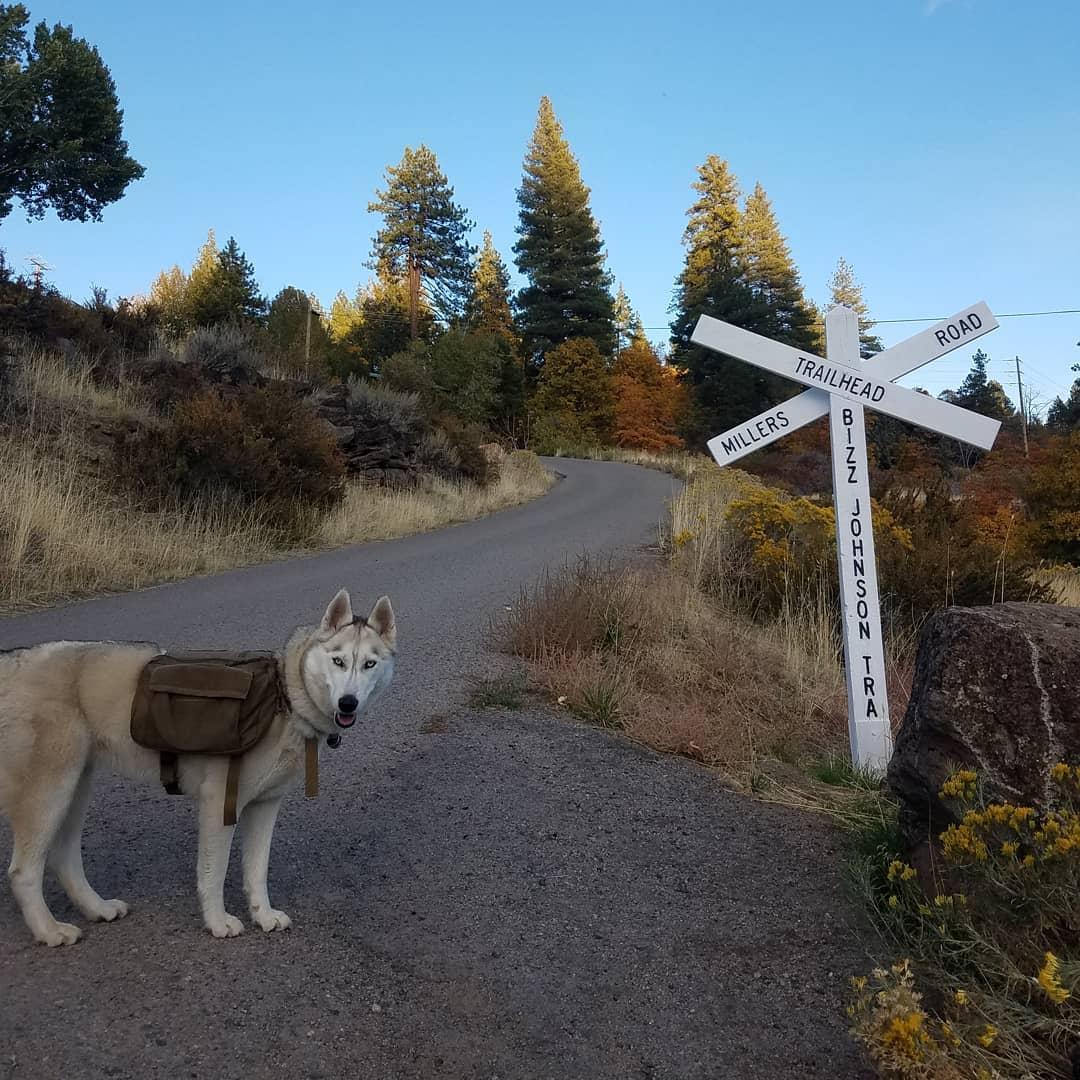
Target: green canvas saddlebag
(206, 703)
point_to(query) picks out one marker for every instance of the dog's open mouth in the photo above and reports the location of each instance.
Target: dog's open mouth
(344, 720)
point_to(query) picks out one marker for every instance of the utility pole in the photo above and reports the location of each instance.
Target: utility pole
(307, 340)
(1023, 411)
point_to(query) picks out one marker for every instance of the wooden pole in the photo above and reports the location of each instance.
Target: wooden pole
(1023, 411)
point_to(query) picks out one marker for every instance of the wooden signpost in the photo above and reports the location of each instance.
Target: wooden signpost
(841, 386)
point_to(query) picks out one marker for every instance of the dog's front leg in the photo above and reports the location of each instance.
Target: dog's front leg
(215, 843)
(257, 824)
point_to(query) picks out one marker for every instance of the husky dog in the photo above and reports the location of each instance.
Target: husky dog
(65, 707)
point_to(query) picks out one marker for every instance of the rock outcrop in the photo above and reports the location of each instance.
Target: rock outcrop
(996, 689)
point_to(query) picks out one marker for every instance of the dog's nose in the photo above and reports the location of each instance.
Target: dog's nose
(347, 703)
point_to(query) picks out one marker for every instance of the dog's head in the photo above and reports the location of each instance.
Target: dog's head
(351, 659)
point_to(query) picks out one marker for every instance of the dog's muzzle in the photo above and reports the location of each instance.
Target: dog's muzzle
(345, 716)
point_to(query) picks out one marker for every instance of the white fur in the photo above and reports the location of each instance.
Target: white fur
(65, 708)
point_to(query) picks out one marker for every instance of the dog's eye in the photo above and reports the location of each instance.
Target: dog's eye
(339, 661)
(369, 664)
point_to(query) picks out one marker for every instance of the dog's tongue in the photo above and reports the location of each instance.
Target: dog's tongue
(345, 720)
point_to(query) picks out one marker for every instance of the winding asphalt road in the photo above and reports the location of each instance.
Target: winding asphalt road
(494, 895)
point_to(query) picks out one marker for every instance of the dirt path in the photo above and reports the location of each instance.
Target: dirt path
(490, 895)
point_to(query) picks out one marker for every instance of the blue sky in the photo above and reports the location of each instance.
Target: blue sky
(932, 143)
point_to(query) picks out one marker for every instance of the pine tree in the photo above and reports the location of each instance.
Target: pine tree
(713, 282)
(980, 393)
(559, 249)
(61, 125)
(1064, 413)
(628, 324)
(386, 324)
(845, 289)
(294, 324)
(238, 291)
(489, 314)
(424, 237)
(488, 310)
(772, 276)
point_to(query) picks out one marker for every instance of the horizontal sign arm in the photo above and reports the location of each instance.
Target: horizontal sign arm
(862, 387)
(907, 356)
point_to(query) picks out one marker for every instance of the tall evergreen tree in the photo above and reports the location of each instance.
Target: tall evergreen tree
(489, 314)
(713, 282)
(61, 125)
(772, 276)
(424, 237)
(222, 287)
(844, 288)
(294, 324)
(238, 291)
(488, 310)
(387, 323)
(980, 393)
(628, 325)
(559, 250)
(1064, 413)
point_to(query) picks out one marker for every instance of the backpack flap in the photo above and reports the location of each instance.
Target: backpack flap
(191, 708)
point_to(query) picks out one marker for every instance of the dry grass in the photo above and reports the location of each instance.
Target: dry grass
(64, 534)
(1065, 581)
(370, 513)
(45, 381)
(678, 463)
(647, 654)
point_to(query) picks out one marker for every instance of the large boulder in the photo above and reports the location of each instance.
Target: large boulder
(996, 689)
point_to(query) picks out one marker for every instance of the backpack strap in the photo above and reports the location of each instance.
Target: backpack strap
(170, 773)
(232, 784)
(311, 767)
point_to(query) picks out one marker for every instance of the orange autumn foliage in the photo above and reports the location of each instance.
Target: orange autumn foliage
(649, 399)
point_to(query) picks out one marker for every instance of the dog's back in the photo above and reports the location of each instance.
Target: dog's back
(64, 701)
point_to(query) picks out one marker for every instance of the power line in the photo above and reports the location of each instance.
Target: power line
(934, 319)
(1009, 315)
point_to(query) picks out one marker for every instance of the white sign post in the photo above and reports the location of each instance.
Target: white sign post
(841, 386)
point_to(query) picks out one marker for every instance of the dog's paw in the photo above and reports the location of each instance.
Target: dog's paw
(109, 910)
(60, 933)
(269, 919)
(229, 926)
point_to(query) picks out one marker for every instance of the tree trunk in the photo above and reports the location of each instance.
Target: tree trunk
(414, 300)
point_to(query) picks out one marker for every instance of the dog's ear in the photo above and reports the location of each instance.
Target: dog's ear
(338, 614)
(381, 620)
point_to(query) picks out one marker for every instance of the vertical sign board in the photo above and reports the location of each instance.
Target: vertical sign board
(840, 387)
(864, 649)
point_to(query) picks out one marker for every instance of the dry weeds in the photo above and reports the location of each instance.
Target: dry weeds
(647, 654)
(65, 532)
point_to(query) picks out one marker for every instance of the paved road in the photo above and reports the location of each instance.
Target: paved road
(495, 895)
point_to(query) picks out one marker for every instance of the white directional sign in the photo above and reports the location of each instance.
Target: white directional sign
(842, 386)
(908, 356)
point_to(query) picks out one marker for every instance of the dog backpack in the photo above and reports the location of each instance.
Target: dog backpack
(210, 703)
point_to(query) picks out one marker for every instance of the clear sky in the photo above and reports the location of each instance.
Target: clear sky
(935, 144)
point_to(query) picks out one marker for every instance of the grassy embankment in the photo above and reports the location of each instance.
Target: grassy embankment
(66, 531)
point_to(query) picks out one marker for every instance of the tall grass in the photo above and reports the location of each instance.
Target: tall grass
(65, 533)
(371, 513)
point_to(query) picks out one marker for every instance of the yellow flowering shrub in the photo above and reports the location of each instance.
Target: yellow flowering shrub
(996, 937)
